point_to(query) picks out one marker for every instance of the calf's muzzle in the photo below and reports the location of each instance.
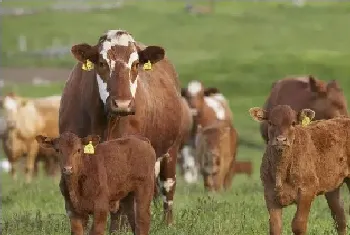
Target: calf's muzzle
(67, 170)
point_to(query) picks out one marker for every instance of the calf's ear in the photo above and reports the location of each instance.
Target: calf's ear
(45, 142)
(95, 139)
(83, 52)
(305, 116)
(152, 54)
(210, 91)
(258, 114)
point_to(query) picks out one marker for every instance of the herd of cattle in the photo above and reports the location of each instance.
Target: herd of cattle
(123, 122)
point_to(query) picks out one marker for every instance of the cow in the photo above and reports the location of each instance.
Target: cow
(118, 169)
(301, 162)
(119, 87)
(25, 118)
(326, 99)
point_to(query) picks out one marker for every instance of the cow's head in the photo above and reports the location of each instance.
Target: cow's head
(70, 148)
(328, 99)
(118, 61)
(211, 148)
(195, 93)
(12, 105)
(281, 123)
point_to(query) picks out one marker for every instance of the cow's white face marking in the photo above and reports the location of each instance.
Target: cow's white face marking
(10, 104)
(102, 89)
(116, 38)
(194, 87)
(168, 184)
(216, 105)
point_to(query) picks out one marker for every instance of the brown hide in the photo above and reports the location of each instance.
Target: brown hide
(326, 99)
(302, 162)
(158, 114)
(120, 169)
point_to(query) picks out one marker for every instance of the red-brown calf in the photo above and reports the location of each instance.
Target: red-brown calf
(119, 169)
(302, 162)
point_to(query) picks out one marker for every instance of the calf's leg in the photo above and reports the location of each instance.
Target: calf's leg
(275, 211)
(229, 176)
(77, 223)
(143, 200)
(99, 222)
(337, 210)
(299, 223)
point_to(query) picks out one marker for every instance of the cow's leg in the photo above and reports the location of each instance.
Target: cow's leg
(299, 223)
(347, 181)
(337, 210)
(99, 222)
(13, 170)
(168, 182)
(143, 198)
(32, 152)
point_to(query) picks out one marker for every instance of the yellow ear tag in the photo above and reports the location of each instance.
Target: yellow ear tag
(89, 149)
(88, 65)
(306, 121)
(147, 66)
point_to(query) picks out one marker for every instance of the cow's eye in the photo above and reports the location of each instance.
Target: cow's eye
(79, 150)
(294, 123)
(101, 64)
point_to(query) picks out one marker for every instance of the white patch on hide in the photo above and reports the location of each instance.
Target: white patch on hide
(102, 89)
(168, 184)
(216, 106)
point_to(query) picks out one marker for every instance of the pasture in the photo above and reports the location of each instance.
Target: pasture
(240, 49)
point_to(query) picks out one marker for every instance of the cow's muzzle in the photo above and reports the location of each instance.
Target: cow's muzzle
(122, 107)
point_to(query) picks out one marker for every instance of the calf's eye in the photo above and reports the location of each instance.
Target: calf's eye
(294, 123)
(79, 150)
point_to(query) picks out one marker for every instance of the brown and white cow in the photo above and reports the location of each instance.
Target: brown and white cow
(25, 119)
(132, 89)
(308, 92)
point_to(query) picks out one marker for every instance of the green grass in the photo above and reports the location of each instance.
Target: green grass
(240, 49)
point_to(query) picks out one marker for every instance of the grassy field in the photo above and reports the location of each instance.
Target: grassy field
(241, 49)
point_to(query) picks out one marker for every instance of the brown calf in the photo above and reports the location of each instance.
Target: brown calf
(131, 89)
(302, 162)
(120, 169)
(326, 99)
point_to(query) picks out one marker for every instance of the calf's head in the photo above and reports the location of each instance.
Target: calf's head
(118, 60)
(195, 93)
(282, 121)
(70, 149)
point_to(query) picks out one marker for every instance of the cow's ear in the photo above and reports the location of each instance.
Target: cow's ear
(45, 142)
(83, 52)
(153, 54)
(95, 140)
(317, 86)
(210, 91)
(258, 114)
